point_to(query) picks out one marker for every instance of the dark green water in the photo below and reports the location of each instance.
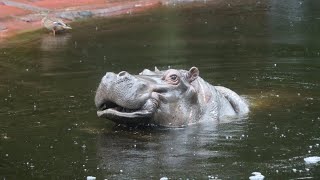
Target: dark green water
(268, 51)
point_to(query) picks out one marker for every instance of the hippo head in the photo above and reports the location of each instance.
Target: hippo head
(165, 98)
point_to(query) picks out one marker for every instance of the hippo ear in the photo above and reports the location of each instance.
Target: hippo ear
(193, 74)
(156, 69)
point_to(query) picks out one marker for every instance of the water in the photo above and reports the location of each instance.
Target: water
(267, 51)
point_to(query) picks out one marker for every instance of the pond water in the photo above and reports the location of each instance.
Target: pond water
(267, 51)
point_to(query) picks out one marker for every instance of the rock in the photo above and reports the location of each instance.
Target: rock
(72, 15)
(2, 27)
(85, 14)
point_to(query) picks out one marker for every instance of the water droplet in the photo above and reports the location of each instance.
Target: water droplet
(5, 136)
(121, 171)
(307, 169)
(34, 106)
(294, 170)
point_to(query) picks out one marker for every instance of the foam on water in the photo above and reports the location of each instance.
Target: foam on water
(312, 159)
(91, 178)
(256, 176)
(164, 178)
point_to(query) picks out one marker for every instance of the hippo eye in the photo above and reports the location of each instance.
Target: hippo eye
(173, 77)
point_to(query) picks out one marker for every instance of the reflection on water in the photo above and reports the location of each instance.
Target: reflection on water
(54, 43)
(178, 153)
(51, 45)
(267, 51)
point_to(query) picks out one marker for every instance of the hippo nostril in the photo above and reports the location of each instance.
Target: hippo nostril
(122, 73)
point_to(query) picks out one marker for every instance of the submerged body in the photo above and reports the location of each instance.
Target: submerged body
(55, 25)
(171, 98)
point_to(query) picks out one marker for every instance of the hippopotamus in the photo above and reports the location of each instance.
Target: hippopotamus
(168, 98)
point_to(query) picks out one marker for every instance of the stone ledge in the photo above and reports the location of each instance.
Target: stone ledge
(23, 15)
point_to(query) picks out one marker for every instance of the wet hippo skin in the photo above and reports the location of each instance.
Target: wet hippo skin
(170, 98)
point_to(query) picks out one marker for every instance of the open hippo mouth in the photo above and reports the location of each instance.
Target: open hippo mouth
(125, 115)
(124, 98)
(110, 110)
